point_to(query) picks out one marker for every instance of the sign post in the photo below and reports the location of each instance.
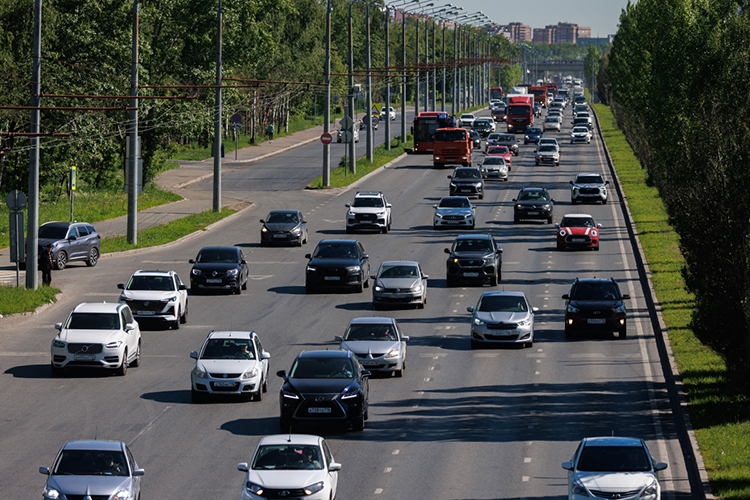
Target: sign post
(236, 125)
(72, 189)
(326, 138)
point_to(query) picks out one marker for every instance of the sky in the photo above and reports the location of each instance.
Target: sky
(602, 16)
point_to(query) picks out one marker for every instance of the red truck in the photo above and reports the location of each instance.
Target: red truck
(451, 146)
(540, 95)
(520, 112)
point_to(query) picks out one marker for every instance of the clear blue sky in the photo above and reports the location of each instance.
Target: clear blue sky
(602, 16)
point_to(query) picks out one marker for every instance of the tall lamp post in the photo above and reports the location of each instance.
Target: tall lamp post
(388, 76)
(444, 19)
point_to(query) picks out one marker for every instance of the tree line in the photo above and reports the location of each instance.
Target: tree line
(676, 78)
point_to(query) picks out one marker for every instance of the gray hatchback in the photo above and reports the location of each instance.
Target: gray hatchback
(70, 241)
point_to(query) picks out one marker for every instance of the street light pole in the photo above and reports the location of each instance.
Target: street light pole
(327, 110)
(352, 114)
(368, 112)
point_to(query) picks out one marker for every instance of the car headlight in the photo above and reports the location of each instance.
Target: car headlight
(233, 272)
(254, 488)
(378, 288)
(620, 309)
(289, 394)
(477, 184)
(437, 157)
(51, 493)
(572, 309)
(547, 206)
(353, 269)
(562, 232)
(578, 489)
(350, 392)
(170, 299)
(438, 216)
(264, 229)
(453, 184)
(478, 322)
(122, 495)
(196, 272)
(199, 373)
(393, 353)
(524, 322)
(576, 188)
(311, 269)
(250, 373)
(296, 230)
(58, 343)
(651, 489)
(417, 289)
(124, 299)
(351, 213)
(113, 345)
(594, 233)
(314, 488)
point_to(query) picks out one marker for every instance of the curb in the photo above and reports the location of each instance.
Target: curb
(356, 183)
(185, 238)
(38, 310)
(660, 330)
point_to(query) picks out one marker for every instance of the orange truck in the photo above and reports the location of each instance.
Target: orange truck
(540, 95)
(451, 146)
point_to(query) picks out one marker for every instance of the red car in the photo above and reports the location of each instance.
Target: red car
(501, 151)
(577, 231)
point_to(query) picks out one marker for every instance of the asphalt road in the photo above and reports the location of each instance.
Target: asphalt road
(461, 423)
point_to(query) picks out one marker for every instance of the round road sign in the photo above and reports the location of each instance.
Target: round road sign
(236, 118)
(326, 138)
(375, 120)
(15, 200)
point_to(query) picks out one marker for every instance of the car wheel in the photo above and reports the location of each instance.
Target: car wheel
(475, 344)
(399, 373)
(62, 260)
(434, 226)
(549, 220)
(471, 227)
(493, 280)
(569, 333)
(56, 371)
(450, 282)
(385, 229)
(604, 201)
(537, 164)
(137, 361)
(238, 290)
(258, 396)
(244, 285)
(265, 384)
(196, 396)
(183, 318)
(123, 369)
(359, 423)
(309, 288)
(516, 219)
(305, 238)
(529, 344)
(375, 306)
(481, 196)
(349, 230)
(194, 290)
(596, 248)
(93, 257)
(559, 246)
(622, 334)
(359, 288)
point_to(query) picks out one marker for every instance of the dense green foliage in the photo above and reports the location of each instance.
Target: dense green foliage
(676, 80)
(86, 47)
(14, 300)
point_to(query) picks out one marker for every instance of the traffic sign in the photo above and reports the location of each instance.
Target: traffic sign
(236, 118)
(73, 178)
(346, 123)
(375, 120)
(375, 110)
(15, 200)
(346, 137)
(326, 138)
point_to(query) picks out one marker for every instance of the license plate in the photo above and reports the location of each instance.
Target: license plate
(332, 278)
(577, 240)
(145, 313)
(465, 190)
(213, 280)
(597, 321)
(318, 410)
(279, 236)
(502, 333)
(533, 213)
(397, 296)
(85, 357)
(224, 383)
(471, 275)
(369, 363)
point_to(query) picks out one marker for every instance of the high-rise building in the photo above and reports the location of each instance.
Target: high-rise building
(583, 32)
(544, 35)
(566, 33)
(519, 31)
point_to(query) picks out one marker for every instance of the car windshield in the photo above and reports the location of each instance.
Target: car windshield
(533, 195)
(91, 463)
(481, 123)
(493, 160)
(493, 137)
(547, 148)
(156, 283)
(613, 459)
(547, 141)
(290, 456)
(282, 218)
(228, 349)
(467, 173)
(370, 332)
(550, 119)
(335, 251)
(595, 291)
(506, 138)
(93, 321)
(502, 303)
(53, 232)
(580, 130)
(577, 222)
(454, 203)
(589, 179)
(472, 245)
(450, 135)
(533, 130)
(467, 117)
(322, 368)
(499, 150)
(474, 134)
(367, 201)
(218, 256)
(398, 271)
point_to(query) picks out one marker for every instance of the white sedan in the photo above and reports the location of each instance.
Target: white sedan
(551, 123)
(293, 466)
(391, 113)
(467, 120)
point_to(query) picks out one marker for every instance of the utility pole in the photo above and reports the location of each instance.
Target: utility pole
(434, 70)
(454, 108)
(32, 278)
(327, 110)
(368, 112)
(426, 62)
(217, 118)
(419, 74)
(403, 78)
(352, 114)
(133, 153)
(387, 79)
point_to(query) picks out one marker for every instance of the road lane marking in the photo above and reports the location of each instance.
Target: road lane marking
(378, 491)
(527, 460)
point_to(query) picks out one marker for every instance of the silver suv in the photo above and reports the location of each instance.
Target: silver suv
(70, 241)
(98, 335)
(369, 210)
(158, 295)
(588, 187)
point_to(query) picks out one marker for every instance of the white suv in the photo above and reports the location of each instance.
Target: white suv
(160, 295)
(98, 335)
(369, 210)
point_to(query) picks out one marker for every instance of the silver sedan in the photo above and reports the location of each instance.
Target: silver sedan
(502, 317)
(399, 282)
(377, 343)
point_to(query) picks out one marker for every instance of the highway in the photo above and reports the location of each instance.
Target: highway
(461, 424)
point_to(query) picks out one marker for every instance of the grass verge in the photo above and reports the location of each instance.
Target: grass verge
(718, 413)
(340, 177)
(166, 233)
(18, 299)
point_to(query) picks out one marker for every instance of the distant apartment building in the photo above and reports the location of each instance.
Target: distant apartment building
(583, 32)
(544, 35)
(518, 32)
(565, 32)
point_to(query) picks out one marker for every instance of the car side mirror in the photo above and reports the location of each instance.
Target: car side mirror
(262, 221)
(44, 470)
(194, 354)
(513, 199)
(552, 200)
(567, 465)
(473, 207)
(72, 237)
(242, 466)
(626, 296)
(304, 221)
(660, 466)
(338, 338)
(281, 373)
(557, 225)
(348, 205)
(182, 286)
(405, 338)
(191, 261)
(599, 225)
(388, 205)
(58, 326)
(606, 182)
(499, 250)
(447, 250)
(365, 256)
(566, 296)
(308, 256)
(121, 286)
(138, 472)
(425, 276)
(470, 309)
(130, 327)
(366, 373)
(334, 466)
(449, 176)
(570, 182)
(535, 309)
(265, 355)
(434, 206)
(243, 261)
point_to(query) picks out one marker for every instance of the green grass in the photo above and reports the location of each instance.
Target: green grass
(340, 177)
(18, 299)
(90, 205)
(166, 233)
(720, 416)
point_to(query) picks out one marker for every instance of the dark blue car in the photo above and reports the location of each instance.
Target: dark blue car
(533, 134)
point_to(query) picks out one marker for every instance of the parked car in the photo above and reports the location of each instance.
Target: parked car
(290, 466)
(219, 268)
(577, 231)
(588, 186)
(474, 257)
(502, 318)
(368, 210)
(283, 226)
(71, 241)
(337, 263)
(156, 295)
(97, 335)
(229, 363)
(613, 467)
(324, 387)
(377, 343)
(93, 470)
(595, 305)
(466, 181)
(399, 282)
(533, 203)
(453, 211)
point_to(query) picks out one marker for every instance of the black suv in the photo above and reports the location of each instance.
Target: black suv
(338, 263)
(595, 305)
(219, 268)
(324, 387)
(467, 181)
(474, 257)
(533, 203)
(70, 241)
(483, 126)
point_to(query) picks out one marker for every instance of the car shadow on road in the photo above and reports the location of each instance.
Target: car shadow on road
(252, 426)
(43, 371)
(288, 290)
(356, 306)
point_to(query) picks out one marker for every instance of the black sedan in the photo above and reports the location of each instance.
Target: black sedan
(219, 268)
(476, 141)
(283, 226)
(533, 203)
(324, 387)
(338, 263)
